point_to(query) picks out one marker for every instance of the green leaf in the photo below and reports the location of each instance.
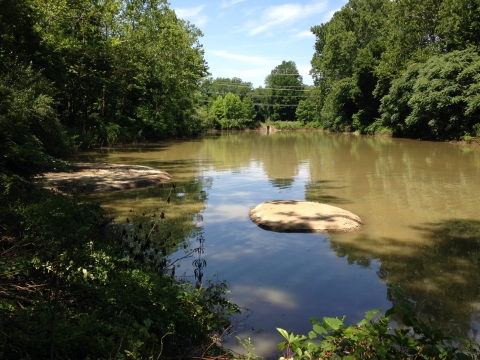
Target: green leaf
(370, 314)
(319, 329)
(284, 333)
(407, 320)
(332, 323)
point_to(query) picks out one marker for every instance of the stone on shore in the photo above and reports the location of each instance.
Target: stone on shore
(101, 177)
(303, 216)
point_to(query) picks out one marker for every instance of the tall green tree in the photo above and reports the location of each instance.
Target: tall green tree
(286, 90)
(347, 50)
(122, 69)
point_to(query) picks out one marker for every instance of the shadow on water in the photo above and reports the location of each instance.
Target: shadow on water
(439, 274)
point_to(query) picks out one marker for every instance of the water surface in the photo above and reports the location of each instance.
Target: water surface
(418, 201)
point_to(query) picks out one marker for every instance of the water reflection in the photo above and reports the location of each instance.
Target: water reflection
(418, 202)
(440, 273)
(282, 184)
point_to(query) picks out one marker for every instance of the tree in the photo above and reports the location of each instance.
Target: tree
(260, 98)
(306, 111)
(286, 90)
(232, 113)
(347, 51)
(122, 70)
(211, 88)
(459, 24)
(438, 99)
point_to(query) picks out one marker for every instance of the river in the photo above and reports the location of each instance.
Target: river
(419, 202)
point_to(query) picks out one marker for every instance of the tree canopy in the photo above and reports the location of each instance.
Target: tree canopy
(368, 53)
(285, 86)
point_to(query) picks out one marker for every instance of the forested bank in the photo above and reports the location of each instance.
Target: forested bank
(105, 72)
(410, 68)
(75, 75)
(401, 68)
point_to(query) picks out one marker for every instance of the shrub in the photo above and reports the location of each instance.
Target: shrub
(374, 338)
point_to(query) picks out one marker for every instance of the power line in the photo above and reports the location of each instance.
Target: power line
(250, 87)
(283, 88)
(250, 95)
(269, 105)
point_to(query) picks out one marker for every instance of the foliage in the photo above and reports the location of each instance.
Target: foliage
(438, 99)
(287, 125)
(117, 71)
(373, 338)
(286, 87)
(306, 111)
(247, 344)
(212, 88)
(29, 130)
(348, 49)
(368, 55)
(230, 112)
(68, 287)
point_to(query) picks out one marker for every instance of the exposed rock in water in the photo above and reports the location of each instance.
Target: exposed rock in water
(93, 177)
(303, 216)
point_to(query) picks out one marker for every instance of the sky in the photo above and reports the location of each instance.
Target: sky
(247, 39)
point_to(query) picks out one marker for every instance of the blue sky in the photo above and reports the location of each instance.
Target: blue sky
(248, 38)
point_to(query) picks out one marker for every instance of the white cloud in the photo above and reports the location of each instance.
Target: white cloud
(230, 3)
(284, 15)
(192, 14)
(304, 34)
(244, 58)
(189, 12)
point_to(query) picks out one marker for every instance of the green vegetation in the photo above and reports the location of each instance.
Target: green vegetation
(403, 67)
(277, 101)
(107, 72)
(286, 86)
(374, 338)
(230, 112)
(71, 284)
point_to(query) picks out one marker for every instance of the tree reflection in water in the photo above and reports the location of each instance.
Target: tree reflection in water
(441, 278)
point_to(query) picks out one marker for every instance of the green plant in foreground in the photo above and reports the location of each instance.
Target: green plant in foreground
(247, 344)
(374, 338)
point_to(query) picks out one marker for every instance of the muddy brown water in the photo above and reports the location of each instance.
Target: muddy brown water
(419, 202)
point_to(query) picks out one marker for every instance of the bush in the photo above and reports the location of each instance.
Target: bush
(374, 338)
(438, 99)
(72, 290)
